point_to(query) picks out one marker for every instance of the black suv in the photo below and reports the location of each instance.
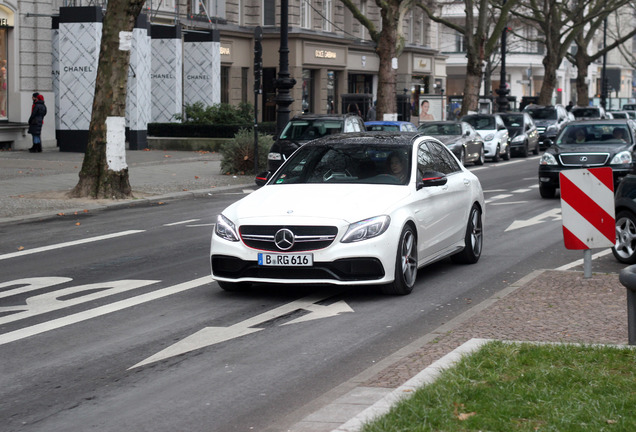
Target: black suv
(550, 120)
(304, 128)
(588, 144)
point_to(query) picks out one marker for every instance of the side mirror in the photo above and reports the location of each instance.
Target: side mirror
(467, 133)
(262, 178)
(432, 178)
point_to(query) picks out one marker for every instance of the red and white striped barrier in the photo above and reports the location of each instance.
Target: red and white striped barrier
(587, 208)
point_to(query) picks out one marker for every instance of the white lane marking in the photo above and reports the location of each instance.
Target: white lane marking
(507, 203)
(181, 223)
(66, 297)
(580, 261)
(68, 244)
(498, 197)
(102, 310)
(213, 335)
(30, 284)
(521, 190)
(200, 225)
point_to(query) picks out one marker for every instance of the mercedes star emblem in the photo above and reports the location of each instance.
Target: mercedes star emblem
(284, 239)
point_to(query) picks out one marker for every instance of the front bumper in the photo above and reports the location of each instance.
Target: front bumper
(368, 262)
(549, 174)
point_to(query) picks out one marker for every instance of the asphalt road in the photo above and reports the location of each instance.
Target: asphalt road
(109, 321)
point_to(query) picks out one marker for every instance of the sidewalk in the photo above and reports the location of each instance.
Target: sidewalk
(551, 305)
(34, 184)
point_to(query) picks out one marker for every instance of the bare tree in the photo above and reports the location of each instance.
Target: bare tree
(582, 59)
(559, 24)
(482, 32)
(389, 44)
(99, 177)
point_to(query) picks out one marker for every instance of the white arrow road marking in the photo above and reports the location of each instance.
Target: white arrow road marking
(67, 244)
(214, 335)
(66, 297)
(102, 310)
(553, 214)
(181, 223)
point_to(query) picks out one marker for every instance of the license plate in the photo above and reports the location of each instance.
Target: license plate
(285, 260)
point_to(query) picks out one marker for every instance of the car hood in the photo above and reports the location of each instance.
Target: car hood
(514, 131)
(449, 140)
(347, 202)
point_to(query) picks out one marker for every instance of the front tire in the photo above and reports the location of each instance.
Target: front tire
(405, 264)
(524, 152)
(495, 158)
(546, 191)
(506, 155)
(474, 239)
(625, 248)
(481, 159)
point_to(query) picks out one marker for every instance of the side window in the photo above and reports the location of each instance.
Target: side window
(432, 156)
(348, 126)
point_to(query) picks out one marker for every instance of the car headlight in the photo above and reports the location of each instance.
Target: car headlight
(366, 229)
(518, 139)
(274, 156)
(622, 158)
(547, 159)
(225, 229)
(489, 137)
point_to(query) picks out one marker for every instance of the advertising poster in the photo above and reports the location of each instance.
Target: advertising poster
(430, 108)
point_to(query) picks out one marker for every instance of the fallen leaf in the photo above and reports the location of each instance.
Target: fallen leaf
(146, 149)
(465, 416)
(167, 156)
(160, 202)
(77, 224)
(185, 190)
(60, 214)
(21, 248)
(611, 421)
(85, 211)
(196, 177)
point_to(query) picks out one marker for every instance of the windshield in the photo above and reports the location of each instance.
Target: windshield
(305, 130)
(441, 129)
(481, 122)
(586, 112)
(347, 163)
(383, 127)
(513, 120)
(542, 113)
(618, 134)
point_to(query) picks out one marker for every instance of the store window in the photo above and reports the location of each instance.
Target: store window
(360, 83)
(225, 84)
(3, 74)
(308, 91)
(332, 92)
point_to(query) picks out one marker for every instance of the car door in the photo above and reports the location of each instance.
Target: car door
(441, 212)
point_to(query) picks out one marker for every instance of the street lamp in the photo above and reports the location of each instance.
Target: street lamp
(502, 100)
(284, 83)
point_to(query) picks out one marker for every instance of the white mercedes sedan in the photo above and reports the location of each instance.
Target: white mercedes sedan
(352, 209)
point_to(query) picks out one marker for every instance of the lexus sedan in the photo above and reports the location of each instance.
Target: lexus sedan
(460, 137)
(588, 144)
(352, 209)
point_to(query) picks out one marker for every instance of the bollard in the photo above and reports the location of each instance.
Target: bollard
(628, 279)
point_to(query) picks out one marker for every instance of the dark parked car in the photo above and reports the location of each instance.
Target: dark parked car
(523, 133)
(460, 137)
(589, 113)
(625, 204)
(304, 128)
(588, 144)
(390, 126)
(550, 120)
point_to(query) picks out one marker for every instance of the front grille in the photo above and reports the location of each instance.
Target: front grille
(306, 238)
(347, 269)
(584, 159)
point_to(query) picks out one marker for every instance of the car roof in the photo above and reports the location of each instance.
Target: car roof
(600, 121)
(376, 137)
(386, 122)
(310, 116)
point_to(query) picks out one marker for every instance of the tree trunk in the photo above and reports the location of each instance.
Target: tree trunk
(102, 176)
(472, 85)
(582, 88)
(386, 49)
(551, 63)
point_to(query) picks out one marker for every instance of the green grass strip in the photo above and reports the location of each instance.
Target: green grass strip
(525, 387)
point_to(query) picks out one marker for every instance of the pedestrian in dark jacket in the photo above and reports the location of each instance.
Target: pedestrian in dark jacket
(38, 111)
